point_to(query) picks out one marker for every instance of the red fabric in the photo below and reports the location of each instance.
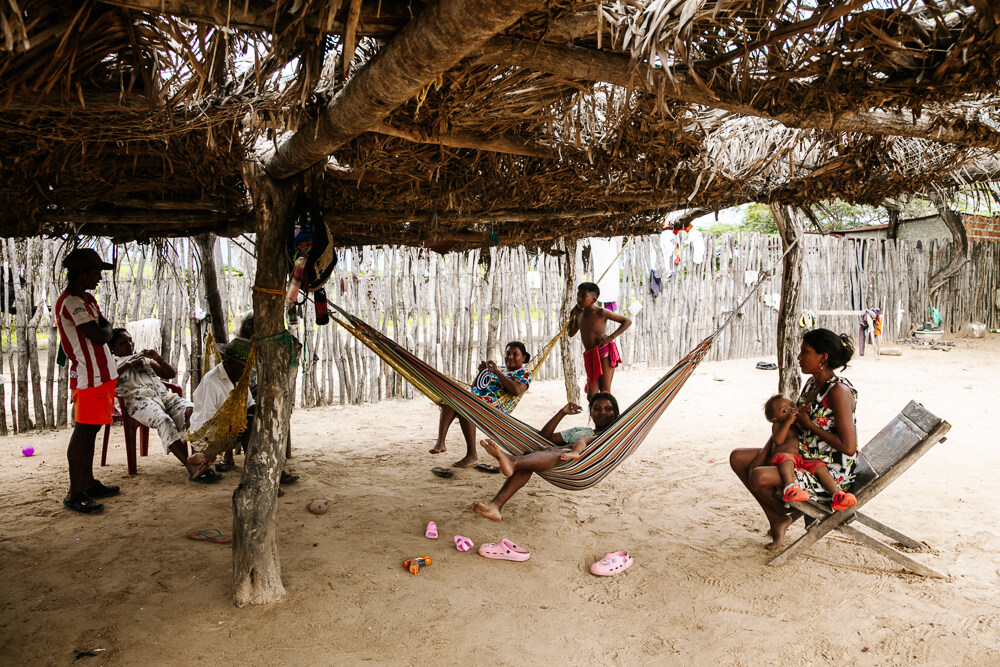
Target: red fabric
(592, 362)
(809, 465)
(94, 405)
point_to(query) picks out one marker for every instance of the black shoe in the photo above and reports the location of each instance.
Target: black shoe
(207, 477)
(287, 478)
(99, 490)
(83, 504)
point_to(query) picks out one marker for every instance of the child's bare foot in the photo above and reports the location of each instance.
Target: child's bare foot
(465, 462)
(488, 510)
(493, 449)
(777, 532)
(438, 449)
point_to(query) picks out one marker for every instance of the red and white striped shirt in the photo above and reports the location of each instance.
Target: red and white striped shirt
(90, 364)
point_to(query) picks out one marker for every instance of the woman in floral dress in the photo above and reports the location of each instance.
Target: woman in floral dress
(827, 431)
(502, 390)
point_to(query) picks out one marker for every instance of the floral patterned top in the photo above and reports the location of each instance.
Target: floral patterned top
(841, 466)
(494, 394)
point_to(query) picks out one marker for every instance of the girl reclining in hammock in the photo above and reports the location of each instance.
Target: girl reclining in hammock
(518, 469)
(501, 389)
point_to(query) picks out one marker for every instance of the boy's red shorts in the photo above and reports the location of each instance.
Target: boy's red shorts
(809, 465)
(94, 405)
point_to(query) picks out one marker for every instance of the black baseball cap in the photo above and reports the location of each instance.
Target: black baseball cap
(82, 259)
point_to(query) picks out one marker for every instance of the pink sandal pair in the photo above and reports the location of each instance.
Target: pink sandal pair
(461, 543)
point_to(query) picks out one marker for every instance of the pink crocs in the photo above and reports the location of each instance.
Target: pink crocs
(613, 563)
(504, 550)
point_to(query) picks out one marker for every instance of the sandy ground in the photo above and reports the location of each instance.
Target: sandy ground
(128, 586)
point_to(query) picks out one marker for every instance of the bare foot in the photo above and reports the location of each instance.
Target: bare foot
(493, 449)
(438, 449)
(465, 462)
(487, 510)
(198, 463)
(777, 533)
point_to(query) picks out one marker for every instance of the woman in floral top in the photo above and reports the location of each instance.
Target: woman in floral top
(827, 432)
(503, 390)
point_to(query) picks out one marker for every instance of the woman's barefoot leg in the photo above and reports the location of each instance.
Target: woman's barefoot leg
(493, 449)
(447, 417)
(764, 483)
(471, 457)
(777, 531)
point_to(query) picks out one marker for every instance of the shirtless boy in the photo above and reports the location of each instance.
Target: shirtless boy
(600, 355)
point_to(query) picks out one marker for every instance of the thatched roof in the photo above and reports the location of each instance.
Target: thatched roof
(481, 122)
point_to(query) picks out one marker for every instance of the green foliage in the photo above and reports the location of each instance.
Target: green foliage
(757, 219)
(722, 228)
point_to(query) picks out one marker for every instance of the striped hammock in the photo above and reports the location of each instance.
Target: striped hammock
(600, 457)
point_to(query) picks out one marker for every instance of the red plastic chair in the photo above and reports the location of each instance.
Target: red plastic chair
(130, 427)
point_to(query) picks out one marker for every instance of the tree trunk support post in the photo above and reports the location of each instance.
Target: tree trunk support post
(570, 275)
(789, 222)
(256, 566)
(206, 247)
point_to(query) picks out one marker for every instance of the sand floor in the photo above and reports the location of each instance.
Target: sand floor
(128, 586)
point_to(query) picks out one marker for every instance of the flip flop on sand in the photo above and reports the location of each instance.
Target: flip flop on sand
(613, 563)
(442, 472)
(432, 531)
(318, 506)
(213, 535)
(486, 467)
(504, 550)
(463, 543)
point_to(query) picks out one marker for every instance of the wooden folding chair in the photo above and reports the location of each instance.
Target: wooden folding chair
(889, 454)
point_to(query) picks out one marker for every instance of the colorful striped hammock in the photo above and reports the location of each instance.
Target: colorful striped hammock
(602, 455)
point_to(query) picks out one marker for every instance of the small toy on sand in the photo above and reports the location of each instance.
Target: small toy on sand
(27, 450)
(414, 564)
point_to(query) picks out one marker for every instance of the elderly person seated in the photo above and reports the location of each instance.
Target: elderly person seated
(149, 402)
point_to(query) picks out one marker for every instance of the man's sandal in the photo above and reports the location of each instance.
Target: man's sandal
(83, 504)
(99, 490)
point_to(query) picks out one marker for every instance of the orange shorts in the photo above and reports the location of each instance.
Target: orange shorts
(94, 405)
(809, 465)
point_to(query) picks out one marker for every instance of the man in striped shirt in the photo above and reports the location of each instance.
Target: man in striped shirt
(84, 334)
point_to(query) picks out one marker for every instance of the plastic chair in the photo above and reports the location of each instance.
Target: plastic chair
(130, 426)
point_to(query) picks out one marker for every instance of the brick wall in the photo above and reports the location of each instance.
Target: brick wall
(982, 228)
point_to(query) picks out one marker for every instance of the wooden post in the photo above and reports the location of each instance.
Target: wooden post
(210, 276)
(256, 567)
(20, 376)
(569, 361)
(789, 223)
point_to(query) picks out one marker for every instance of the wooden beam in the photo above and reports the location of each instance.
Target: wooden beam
(432, 43)
(376, 19)
(456, 139)
(135, 217)
(578, 63)
(374, 216)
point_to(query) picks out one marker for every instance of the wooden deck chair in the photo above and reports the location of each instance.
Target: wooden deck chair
(889, 454)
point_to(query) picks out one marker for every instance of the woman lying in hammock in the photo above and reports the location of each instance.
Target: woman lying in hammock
(518, 469)
(501, 387)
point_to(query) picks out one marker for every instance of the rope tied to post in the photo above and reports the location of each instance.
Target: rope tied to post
(286, 339)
